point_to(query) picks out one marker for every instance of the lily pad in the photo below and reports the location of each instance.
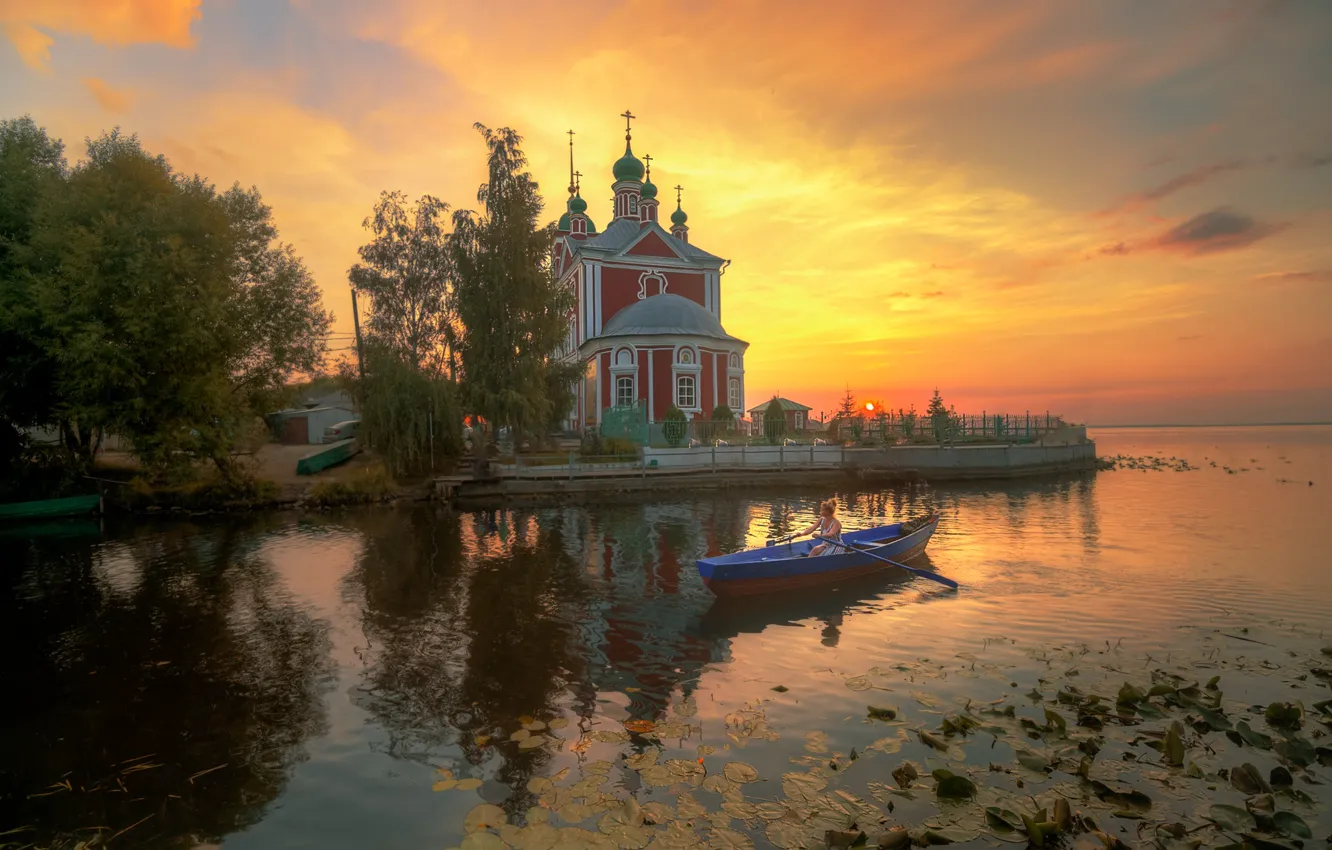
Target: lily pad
(950, 786)
(1289, 823)
(484, 816)
(722, 838)
(859, 683)
(1174, 744)
(483, 841)
(1121, 795)
(882, 712)
(639, 726)
(803, 787)
(1231, 818)
(1284, 715)
(1253, 737)
(1247, 780)
(470, 784)
(740, 773)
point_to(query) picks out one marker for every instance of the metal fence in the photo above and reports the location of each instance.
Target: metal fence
(909, 426)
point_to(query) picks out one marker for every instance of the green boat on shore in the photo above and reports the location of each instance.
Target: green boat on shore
(328, 455)
(50, 508)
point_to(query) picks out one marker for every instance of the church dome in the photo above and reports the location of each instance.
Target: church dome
(577, 204)
(649, 190)
(679, 217)
(564, 226)
(665, 314)
(627, 167)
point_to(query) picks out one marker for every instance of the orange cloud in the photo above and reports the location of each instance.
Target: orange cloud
(112, 100)
(104, 21)
(33, 45)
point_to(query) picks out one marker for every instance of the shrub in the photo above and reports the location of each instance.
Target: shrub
(723, 420)
(675, 427)
(370, 484)
(774, 422)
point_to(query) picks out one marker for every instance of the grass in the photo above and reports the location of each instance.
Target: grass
(211, 491)
(370, 484)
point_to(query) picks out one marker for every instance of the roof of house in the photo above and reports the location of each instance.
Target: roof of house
(665, 314)
(786, 405)
(623, 232)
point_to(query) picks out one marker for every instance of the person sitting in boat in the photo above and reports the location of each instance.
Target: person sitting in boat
(827, 526)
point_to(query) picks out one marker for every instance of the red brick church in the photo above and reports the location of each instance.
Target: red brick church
(648, 318)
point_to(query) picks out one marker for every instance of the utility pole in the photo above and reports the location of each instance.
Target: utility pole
(360, 349)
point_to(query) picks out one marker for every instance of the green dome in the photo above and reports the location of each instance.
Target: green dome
(564, 226)
(577, 204)
(591, 226)
(678, 217)
(627, 167)
(649, 190)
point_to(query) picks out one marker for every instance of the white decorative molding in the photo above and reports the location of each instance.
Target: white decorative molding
(651, 274)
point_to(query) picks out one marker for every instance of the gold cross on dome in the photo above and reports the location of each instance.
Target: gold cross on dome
(678, 190)
(627, 116)
(647, 157)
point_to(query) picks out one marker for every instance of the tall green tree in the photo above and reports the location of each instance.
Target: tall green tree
(406, 269)
(170, 313)
(32, 170)
(774, 422)
(939, 416)
(409, 403)
(512, 312)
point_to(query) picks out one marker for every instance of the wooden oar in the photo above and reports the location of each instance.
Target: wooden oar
(948, 582)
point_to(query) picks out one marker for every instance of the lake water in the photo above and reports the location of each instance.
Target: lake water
(310, 681)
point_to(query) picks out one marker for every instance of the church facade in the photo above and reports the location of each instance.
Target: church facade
(648, 318)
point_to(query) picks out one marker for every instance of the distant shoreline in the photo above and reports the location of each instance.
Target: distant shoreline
(1216, 425)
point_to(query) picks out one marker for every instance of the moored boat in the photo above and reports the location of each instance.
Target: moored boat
(788, 566)
(50, 508)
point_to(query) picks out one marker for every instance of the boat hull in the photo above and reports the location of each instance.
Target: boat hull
(50, 508)
(772, 570)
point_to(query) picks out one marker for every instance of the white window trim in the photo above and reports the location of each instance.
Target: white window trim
(633, 387)
(691, 408)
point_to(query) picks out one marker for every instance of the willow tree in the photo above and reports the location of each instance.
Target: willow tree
(511, 309)
(409, 406)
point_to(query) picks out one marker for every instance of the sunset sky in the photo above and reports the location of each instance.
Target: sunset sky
(1121, 211)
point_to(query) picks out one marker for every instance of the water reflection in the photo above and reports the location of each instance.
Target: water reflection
(168, 684)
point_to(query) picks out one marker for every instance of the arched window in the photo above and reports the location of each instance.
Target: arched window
(687, 356)
(735, 360)
(624, 391)
(733, 393)
(685, 395)
(624, 357)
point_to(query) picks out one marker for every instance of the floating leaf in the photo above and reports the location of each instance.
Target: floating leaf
(816, 742)
(1284, 715)
(932, 740)
(787, 835)
(1231, 818)
(469, 784)
(520, 735)
(535, 726)
(657, 775)
(1003, 819)
(1121, 795)
(1252, 737)
(722, 838)
(1247, 780)
(1174, 744)
(803, 787)
(925, 699)
(484, 816)
(740, 773)
(483, 841)
(882, 712)
(532, 742)
(1297, 751)
(905, 773)
(1129, 695)
(859, 683)
(559, 723)
(574, 812)
(444, 785)
(647, 758)
(639, 726)
(1033, 761)
(950, 786)
(1289, 823)
(1055, 722)
(781, 689)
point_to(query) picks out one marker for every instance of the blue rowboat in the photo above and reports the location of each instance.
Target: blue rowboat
(788, 566)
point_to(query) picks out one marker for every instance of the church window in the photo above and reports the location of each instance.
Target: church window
(687, 356)
(624, 391)
(633, 205)
(733, 394)
(735, 360)
(685, 396)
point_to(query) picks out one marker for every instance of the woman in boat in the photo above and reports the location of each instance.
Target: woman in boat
(827, 526)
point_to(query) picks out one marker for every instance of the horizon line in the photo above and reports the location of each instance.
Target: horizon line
(1212, 424)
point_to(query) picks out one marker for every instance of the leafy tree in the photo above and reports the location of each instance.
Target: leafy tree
(675, 426)
(723, 420)
(511, 309)
(406, 269)
(169, 313)
(938, 415)
(32, 169)
(774, 422)
(409, 415)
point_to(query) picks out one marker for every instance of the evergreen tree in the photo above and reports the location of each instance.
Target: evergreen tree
(774, 422)
(847, 409)
(938, 415)
(512, 313)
